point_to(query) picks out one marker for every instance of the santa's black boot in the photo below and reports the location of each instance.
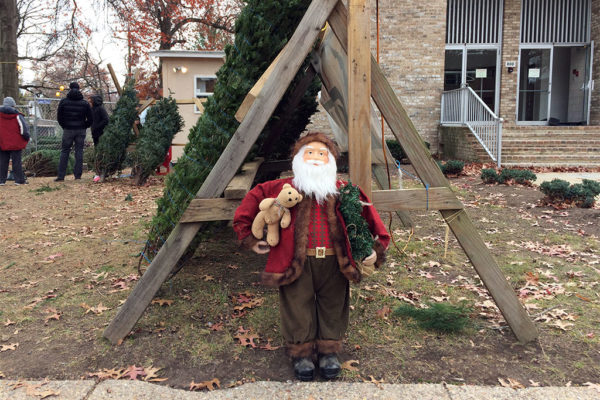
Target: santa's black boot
(329, 366)
(304, 369)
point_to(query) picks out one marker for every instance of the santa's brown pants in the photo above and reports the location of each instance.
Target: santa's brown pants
(315, 308)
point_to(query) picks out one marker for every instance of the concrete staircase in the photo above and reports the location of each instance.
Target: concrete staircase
(551, 146)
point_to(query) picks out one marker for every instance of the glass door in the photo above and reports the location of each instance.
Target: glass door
(534, 86)
(481, 74)
(473, 66)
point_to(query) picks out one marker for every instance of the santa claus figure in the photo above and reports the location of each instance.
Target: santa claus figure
(312, 264)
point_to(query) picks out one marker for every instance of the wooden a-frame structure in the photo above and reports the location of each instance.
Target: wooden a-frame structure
(352, 32)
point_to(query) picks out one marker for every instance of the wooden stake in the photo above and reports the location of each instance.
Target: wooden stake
(359, 94)
(114, 78)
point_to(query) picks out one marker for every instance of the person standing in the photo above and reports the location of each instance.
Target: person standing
(74, 115)
(14, 136)
(99, 118)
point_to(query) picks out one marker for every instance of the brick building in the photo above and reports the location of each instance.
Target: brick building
(531, 62)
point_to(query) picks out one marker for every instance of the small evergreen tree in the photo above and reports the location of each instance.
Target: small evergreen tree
(361, 240)
(111, 150)
(162, 124)
(261, 30)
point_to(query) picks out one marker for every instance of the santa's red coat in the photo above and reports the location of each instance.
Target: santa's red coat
(281, 256)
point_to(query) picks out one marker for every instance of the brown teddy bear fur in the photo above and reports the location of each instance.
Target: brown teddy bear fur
(274, 212)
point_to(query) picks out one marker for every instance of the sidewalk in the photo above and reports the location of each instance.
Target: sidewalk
(571, 177)
(136, 390)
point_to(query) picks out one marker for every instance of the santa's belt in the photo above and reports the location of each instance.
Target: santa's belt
(320, 252)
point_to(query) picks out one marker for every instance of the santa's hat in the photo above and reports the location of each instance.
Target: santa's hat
(316, 137)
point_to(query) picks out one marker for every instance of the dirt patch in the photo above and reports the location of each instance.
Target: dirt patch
(69, 255)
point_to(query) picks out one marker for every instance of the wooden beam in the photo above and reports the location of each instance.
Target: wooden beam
(441, 198)
(359, 94)
(426, 168)
(258, 86)
(147, 103)
(299, 45)
(241, 183)
(203, 210)
(114, 78)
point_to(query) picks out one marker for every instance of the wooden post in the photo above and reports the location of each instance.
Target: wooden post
(224, 170)
(426, 168)
(114, 78)
(359, 94)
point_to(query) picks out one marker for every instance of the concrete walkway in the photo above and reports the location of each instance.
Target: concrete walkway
(136, 390)
(571, 177)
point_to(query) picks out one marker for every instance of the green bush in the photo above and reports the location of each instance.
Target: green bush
(451, 167)
(489, 175)
(521, 176)
(397, 150)
(162, 124)
(440, 317)
(45, 163)
(559, 191)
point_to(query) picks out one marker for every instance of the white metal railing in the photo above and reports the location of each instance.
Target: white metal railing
(463, 107)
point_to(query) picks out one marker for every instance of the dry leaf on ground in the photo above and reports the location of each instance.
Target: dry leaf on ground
(6, 347)
(511, 383)
(162, 302)
(349, 365)
(210, 385)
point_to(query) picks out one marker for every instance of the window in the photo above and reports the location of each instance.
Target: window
(204, 86)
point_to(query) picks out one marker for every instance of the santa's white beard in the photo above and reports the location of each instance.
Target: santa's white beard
(315, 180)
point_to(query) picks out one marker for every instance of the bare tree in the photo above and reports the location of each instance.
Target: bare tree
(9, 85)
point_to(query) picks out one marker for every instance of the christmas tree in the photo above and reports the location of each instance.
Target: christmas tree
(162, 124)
(111, 150)
(361, 241)
(261, 30)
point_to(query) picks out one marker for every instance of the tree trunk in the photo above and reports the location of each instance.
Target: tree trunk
(9, 83)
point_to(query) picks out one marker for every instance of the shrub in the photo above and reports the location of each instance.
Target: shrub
(440, 317)
(162, 124)
(45, 163)
(451, 167)
(489, 175)
(397, 150)
(559, 191)
(521, 176)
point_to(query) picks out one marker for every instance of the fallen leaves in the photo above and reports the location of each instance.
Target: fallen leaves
(162, 302)
(133, 372)
(511, 383)
(349, 365)
(246, 338)
(99, 309)
(210, 385)
(7, 347)
(54, 315)
(32, 389)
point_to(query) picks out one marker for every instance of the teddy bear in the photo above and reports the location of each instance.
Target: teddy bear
(274, 212)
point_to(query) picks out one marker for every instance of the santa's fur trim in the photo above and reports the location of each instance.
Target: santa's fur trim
(316, 137)
(329, 346)
(300, 350)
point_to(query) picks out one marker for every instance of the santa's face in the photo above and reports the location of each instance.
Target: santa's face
(315, 171)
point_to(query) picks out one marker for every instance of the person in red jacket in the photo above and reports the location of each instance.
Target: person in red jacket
(14, 136)
(312, 264)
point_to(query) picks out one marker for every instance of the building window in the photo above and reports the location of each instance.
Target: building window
(204, 86)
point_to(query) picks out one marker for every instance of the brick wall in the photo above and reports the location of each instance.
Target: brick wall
(412, 44)
(510, 52)
(459, 144)
(595, 108)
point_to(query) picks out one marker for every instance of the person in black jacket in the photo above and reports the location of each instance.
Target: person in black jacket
(100, 118)
(74, 115)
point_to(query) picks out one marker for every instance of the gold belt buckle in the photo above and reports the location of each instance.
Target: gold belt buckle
(320, 252)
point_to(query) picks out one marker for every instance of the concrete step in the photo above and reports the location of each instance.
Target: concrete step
(526, 159)
(589, 134)
(558, 150)
(550, 164)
